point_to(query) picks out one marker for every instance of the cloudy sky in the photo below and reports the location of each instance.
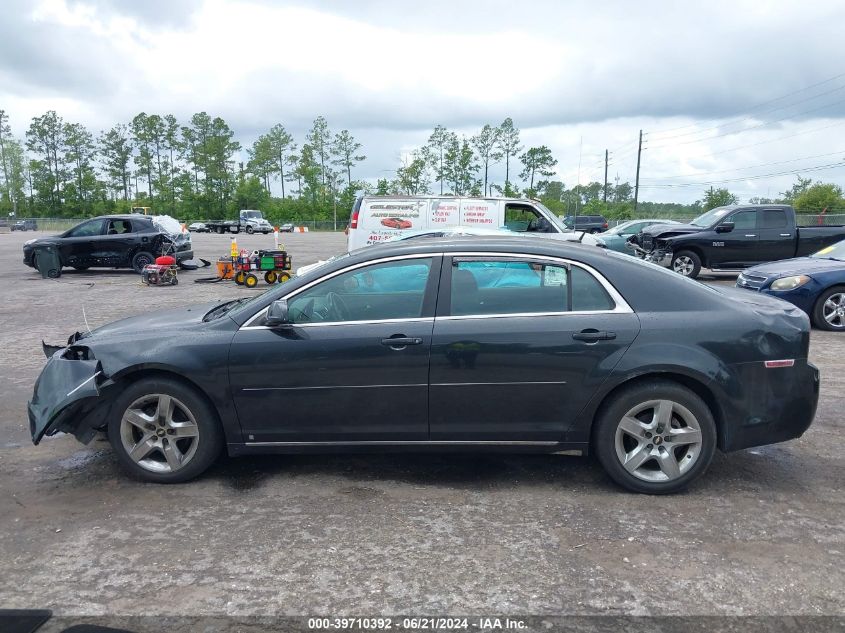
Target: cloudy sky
(734, 93)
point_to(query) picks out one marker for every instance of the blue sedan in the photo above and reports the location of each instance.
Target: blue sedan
(816, 284)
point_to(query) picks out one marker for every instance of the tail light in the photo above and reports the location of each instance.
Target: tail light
(356, 209)
(604, 225)
(772, 364)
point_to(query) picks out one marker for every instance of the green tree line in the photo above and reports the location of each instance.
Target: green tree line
(190, 170)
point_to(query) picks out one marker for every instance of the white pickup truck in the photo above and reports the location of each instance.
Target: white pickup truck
(249, 220)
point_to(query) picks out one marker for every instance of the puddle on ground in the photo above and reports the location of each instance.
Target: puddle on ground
(79, 459)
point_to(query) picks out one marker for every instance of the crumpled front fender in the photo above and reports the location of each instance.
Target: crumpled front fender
(63, 382)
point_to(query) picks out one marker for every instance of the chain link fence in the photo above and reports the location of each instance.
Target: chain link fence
(57, 225)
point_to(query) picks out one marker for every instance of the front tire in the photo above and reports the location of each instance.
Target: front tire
(686, 263)
(164, 431)
(829, 311)
(655, 437)
(250, 230)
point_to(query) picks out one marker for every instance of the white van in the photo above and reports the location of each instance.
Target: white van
(376, 219)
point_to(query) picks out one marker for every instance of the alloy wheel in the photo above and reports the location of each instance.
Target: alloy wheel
(833, 310)
(658, 440)
(159, 433)
(683, 265)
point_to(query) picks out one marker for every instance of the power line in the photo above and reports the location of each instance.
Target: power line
(749, 129)
(723, 171)
(773, 140)
(764, 103)
(746, 178)
(756, 117)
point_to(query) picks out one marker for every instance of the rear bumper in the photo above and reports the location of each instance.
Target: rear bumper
(182, 256)
(776, 405)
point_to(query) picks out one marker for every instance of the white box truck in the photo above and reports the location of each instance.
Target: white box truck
(376, 219)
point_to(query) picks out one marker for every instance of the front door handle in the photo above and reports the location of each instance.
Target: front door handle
(398, 341)
(750, 235)
(592, 336)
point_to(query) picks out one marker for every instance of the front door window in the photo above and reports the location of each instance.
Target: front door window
(389, 290)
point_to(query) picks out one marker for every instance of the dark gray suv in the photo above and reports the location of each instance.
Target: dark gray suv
(586, 223)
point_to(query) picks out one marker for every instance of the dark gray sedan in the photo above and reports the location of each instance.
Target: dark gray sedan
(509, 344)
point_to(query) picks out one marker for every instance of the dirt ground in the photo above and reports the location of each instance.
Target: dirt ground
(761, 534)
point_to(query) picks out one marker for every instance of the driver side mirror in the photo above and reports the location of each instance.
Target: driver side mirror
(725, 227)
(277, 313)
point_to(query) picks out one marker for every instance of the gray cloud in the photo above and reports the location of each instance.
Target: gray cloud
(153, 13)
(566, 69)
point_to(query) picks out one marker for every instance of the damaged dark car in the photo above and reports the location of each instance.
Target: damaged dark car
(116, 241)
(497, 344)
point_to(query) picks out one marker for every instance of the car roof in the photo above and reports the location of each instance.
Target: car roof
(123, 216)
(516, 244)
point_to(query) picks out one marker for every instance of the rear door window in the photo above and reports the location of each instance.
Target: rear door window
(492, 286)
(118, 227)
(773, 219)
(485, 287)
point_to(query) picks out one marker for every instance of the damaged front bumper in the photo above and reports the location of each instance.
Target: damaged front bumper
(66, 393)
(659, 256)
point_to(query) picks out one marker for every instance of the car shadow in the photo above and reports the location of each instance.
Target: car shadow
(466, 471)
(768, 471)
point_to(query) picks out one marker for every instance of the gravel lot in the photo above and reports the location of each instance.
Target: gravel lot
(761, 534)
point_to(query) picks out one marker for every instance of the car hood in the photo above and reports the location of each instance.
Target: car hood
(50, 239)
(657, 230)
(152, 322)
(797, 266)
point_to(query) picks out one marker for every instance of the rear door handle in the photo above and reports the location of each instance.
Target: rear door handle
(398, 342)
(750, 235)
(591, 336)
(786, 234)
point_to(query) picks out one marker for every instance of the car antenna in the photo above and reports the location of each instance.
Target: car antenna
(85, 318)
(581, 239)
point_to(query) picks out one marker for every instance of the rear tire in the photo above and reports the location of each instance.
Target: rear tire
(141, 259)
(829, 311)
(164, 431)
(654, 437)
(687, 264)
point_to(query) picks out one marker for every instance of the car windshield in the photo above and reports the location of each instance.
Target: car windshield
(252, 215)
(249, 303)
(561, 226)
(711, 217)
(834, 251)
(620, 228)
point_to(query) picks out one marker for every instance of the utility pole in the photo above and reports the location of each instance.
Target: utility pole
(637, 185)
(605, 177)
(578, 183)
